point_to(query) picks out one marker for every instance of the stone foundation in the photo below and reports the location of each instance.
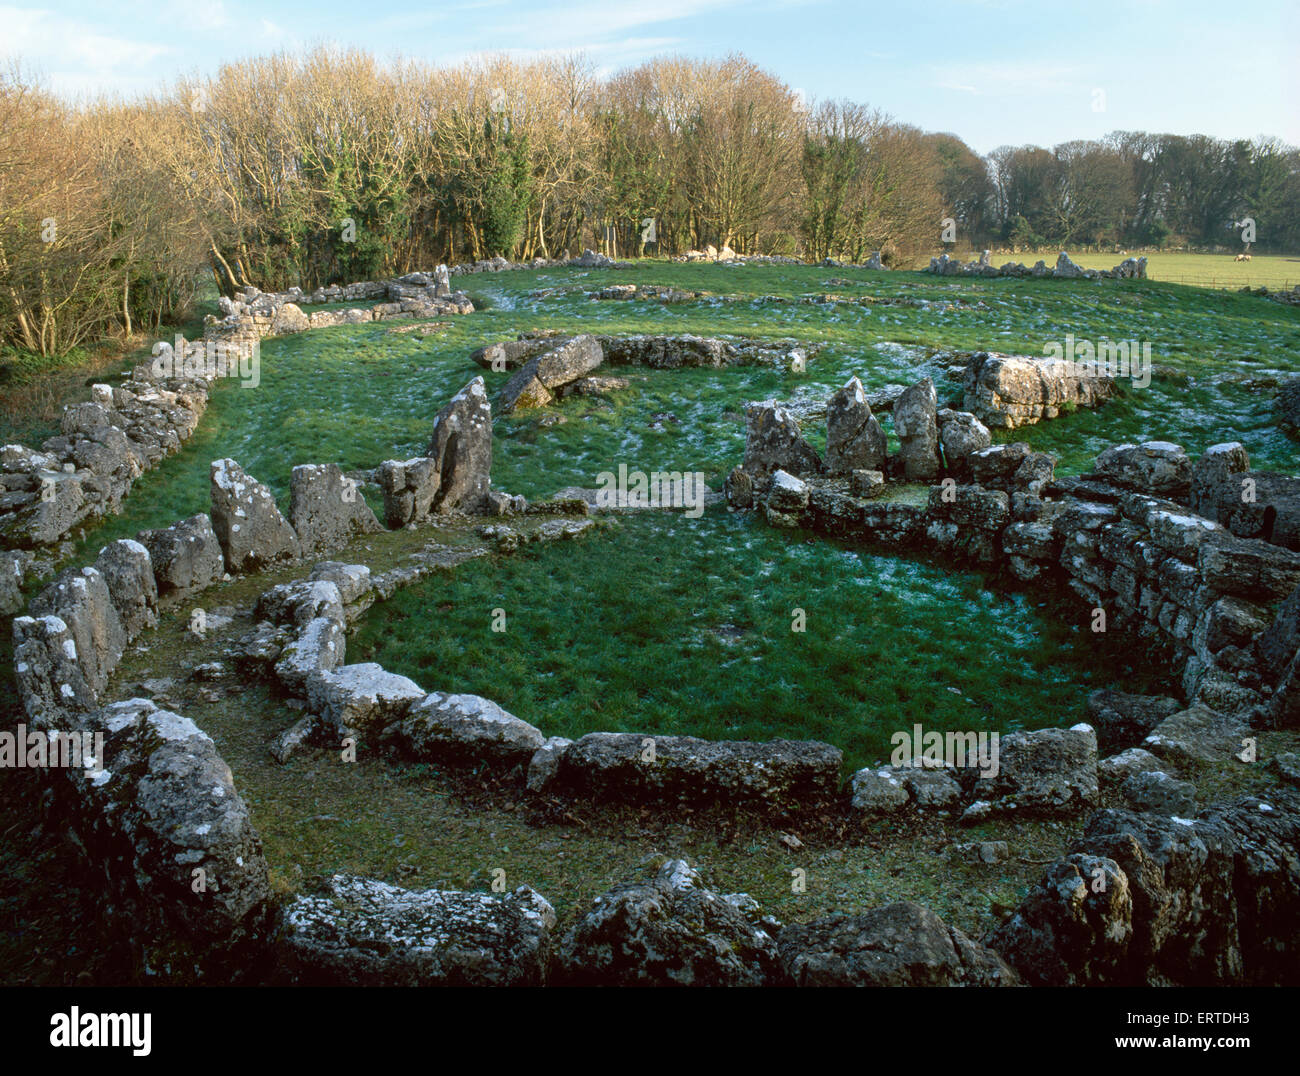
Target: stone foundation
(1146, 898)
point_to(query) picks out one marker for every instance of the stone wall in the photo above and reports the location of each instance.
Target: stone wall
(1123, 539)
(159, 814)
(1006, 391)
(86, 470)
(551, 365)
(1210, 900)
(1065, 269)
(253, 314)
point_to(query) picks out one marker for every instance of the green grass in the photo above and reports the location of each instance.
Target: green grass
(1273, 271)
(627, 629)
(357, 395)
(684, 626)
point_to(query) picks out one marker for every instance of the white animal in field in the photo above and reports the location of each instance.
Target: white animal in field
(1242, 258)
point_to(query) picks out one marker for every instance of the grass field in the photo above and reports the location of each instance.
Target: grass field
(1273, 271)
(684, 625)
(359, 394)
(662, 623)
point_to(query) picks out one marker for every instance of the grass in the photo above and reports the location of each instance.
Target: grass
(666, 623)
(359, 394)
(1273, 271)
(684, 626)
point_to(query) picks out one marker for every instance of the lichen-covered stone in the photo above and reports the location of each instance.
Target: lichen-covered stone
(48, 670)
(666, 931)
(170, 831)
(1050, 771)
(464, 729)
(1075, 926)
(878, 790)
(363, 932)
(128, 573)
(917, 428)
(773, 442)
(318, 647)
(186, 556)
(81, 599)
(362, 699)
(901, 944)
(854, 439)
(248, 524)
(326, 509)
(461, 450)
(779, 775)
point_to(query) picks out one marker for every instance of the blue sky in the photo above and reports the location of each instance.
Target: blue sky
(992, 71)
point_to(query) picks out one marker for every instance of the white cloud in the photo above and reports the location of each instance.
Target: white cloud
(76, 56)
(209, 15)
(1012, 78)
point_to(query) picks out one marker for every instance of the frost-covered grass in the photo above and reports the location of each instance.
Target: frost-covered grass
(668, 624)
(357, 395)
(678, 625)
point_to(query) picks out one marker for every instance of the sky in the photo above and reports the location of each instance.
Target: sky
(994, 72)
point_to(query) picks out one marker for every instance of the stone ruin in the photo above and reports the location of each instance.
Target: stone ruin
(548, 366)
(1193, 897)
(85, 471)
(727, 256)
(1287, 298)
(1163, 545)
(662, 293)
(1065, 268)
(253, 314)
(1007, 391)
(874, 262)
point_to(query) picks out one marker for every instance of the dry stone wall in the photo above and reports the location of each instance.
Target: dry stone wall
(1123, 539)
(86, 470)
(172, 837)
(1064, 269)
(1206, 900)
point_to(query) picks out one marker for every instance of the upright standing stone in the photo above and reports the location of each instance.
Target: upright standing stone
(773, 442)
(326, 509)
(854, 439)
(1215, 479)
(128, 572)
(186, 555)
(51, 677)
(962, 434)
(461, 450)
(252, 532)
(916, 423)
(80, 599)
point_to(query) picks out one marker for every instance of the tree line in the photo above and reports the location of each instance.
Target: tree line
(331, 166)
